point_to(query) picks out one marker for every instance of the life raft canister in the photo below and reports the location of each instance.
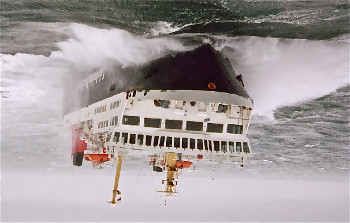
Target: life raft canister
(99, 158)
(183, 164)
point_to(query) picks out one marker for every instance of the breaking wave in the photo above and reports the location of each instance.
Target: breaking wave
(276, 71)
(286, 71)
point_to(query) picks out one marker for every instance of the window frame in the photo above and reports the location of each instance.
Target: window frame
(194, 129)
(133, 123)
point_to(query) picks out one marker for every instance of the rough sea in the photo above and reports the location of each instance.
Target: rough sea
(293, 56)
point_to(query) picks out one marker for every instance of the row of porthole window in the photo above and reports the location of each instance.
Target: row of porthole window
(177, 124)
(100, 109)
(114, 120)
(103, 124)
(181, 142)
(114, 105)
(103, 108)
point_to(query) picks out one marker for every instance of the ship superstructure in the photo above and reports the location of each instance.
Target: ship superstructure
(188, 104)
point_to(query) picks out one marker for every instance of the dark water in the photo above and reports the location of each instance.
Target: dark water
(294, 57)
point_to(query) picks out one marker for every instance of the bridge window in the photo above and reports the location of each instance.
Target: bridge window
(235, 129)
(177, 142)
(153, 122)
(200, 144)
(216, 146)
(116, 137)
(194, 126)
(238, 147)
(246, 147)
(173, 124)
(223, 146)
(214, 127)
(169, 141)
(132, 138)
(162, 140)
(206, 145)
(131, 120)
(125, 138)
(155, 140)
(185, 143)
(140, 139)
(148, 140)
(210, 145)
(231, 147)
(192, 143)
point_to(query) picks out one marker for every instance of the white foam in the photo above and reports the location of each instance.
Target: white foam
(161, 27)
(36, 75)
(92, 47)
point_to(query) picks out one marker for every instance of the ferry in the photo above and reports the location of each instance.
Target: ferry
(182, 108)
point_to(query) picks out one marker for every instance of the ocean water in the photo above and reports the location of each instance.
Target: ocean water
(293, 55)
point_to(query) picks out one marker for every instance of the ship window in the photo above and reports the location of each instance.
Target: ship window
(231, 146)
(148, 140)
(155, 140)
(114, 104)
(153, 122)
(200, 144)
(132, 138)
(131, 120)
(177, 142)
(112, 88)
(173, 124)
(169, 141)
(192, 143)
(140, 139)
(214, 127)
(125, 138)
(206, 144)
(246, 147)
(216, 146)
(184, 143)
(222, 108)
(235, 129)
(116, 137)
(162, 140)
(223, 146)
(210, 145)
(114, 120)
(238, 147)
(162, 103)
(194, 126)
